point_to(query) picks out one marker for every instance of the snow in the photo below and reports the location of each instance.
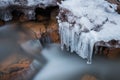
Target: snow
(27, 7)
(86, 22)
(45, 3)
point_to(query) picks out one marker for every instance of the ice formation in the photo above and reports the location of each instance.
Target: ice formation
(82, 23)
(44, 3)
(25, 6)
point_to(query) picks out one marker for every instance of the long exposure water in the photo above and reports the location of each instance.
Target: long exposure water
(63, 65)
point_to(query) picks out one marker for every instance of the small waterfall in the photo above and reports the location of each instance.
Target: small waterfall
(45, 39)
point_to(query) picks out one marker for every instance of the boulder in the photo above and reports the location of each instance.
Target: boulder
(117, 2)
(84, 23)
(25, 6)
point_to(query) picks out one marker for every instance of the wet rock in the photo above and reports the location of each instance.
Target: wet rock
(53, 27)
(113, 53)
(110, 49)
(117, 2)
(13, 67)
(41, 18)
(23, 18)
(25, 6)
(88, 77)
(55, 37)
(5, 15)
(53, 31)
(118, 9)
(35, 29)
(2, 22)
(45, 28)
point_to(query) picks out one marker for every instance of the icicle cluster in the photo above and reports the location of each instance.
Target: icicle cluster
(82, 23)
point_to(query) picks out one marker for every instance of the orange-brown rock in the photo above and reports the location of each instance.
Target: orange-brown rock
(118, 9)
(17, 67)
(88, 77)
(2, 22)
(110, 49)
(53, 31)
(41, 18)
(23, 18)
(14, 66)
(112, 53)
(53, 27)
(54, 37)
(36, 29)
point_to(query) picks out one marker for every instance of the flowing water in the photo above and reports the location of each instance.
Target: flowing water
(60, 64)
(63, 65)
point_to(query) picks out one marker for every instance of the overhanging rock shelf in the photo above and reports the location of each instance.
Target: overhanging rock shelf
(85, 23)
(27, 7)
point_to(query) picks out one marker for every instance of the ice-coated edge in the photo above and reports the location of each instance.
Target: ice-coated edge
(27, 7)
(6, 3)
(82, 23)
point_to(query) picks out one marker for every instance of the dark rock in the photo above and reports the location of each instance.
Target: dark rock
(8, 8)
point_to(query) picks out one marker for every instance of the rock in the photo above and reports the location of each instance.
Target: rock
(2, 22)
(53, 27)
(118, 9)
(14, 66)
(53, 32)
(54, 13)
(80, 29)
(25, 6)
(109, 49)
(114, 53)
(11, 36)
(111, 53)
(36, 29)
(41, 18)
(5, 15)
(117, 2)
(54, 37)
(23, 18)
(88, 77)
(42, 14)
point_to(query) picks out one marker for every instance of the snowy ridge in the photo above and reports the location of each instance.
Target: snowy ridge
(42, 3)
(82, 23)
(27, 7)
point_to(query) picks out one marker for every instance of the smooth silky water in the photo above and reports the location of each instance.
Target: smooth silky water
(63, 65)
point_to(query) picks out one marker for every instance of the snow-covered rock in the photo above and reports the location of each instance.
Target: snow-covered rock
(25, 6)
(82, 23)
(41, 3)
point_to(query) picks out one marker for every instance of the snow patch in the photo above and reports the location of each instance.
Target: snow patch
(27, 7)
(82, 23)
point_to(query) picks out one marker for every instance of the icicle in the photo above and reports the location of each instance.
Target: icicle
(87, 28)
